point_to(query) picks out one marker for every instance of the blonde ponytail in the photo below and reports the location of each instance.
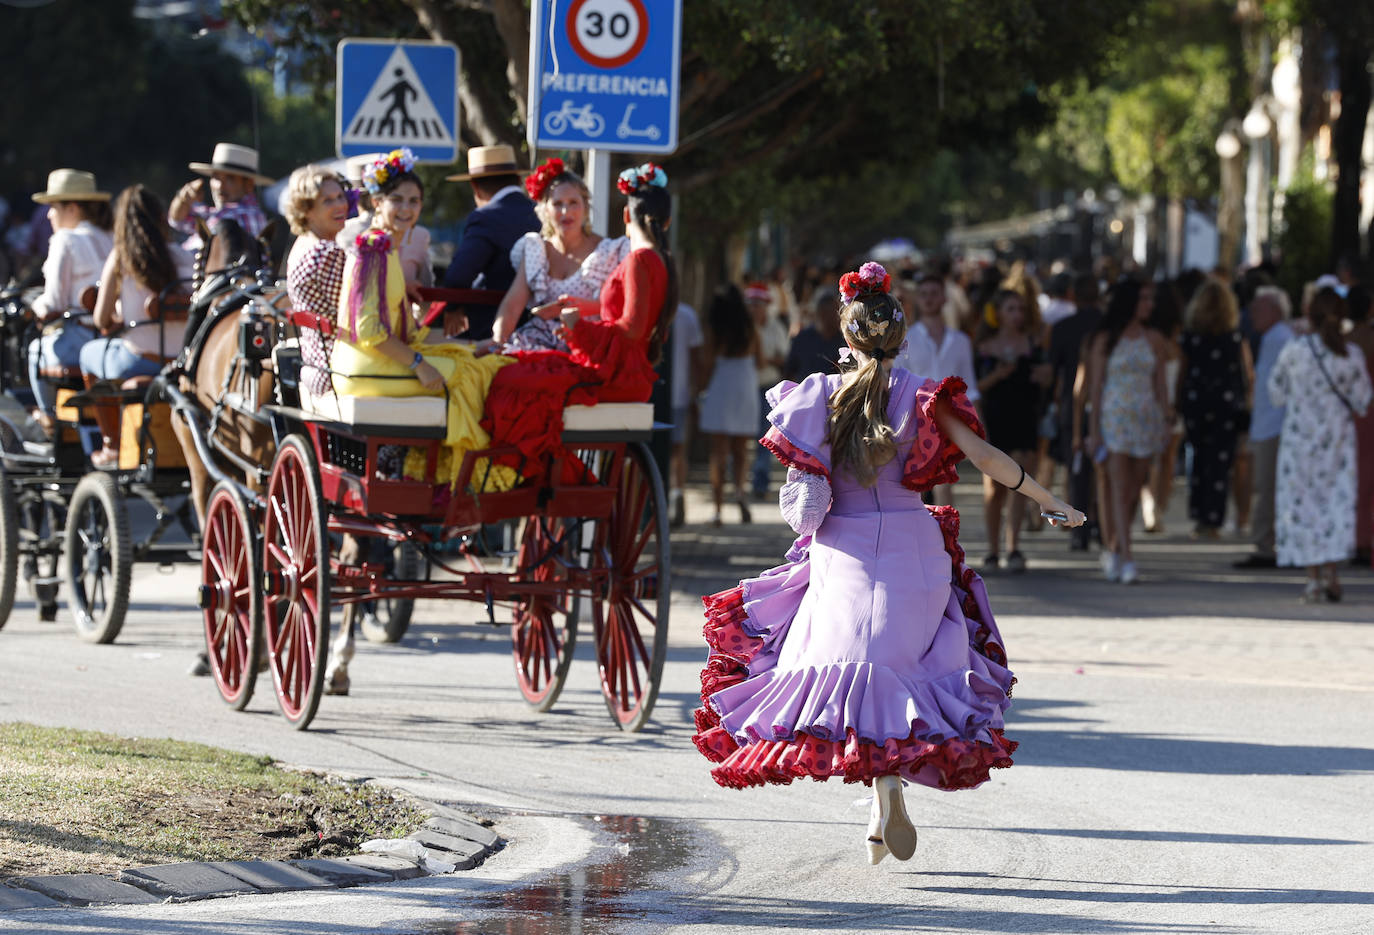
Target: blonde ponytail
(857, 428)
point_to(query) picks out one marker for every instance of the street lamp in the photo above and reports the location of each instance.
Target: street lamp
(1257, 124)
(1228, 145)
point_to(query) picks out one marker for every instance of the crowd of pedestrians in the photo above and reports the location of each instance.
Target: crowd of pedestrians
(1111, 385)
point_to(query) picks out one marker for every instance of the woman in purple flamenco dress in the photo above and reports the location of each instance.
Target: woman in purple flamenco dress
(871, 655)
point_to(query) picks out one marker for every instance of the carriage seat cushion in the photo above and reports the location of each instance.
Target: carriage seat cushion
(400, 411)
(609, 417)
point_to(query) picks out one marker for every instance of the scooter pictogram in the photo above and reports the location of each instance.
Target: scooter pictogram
(625, 131)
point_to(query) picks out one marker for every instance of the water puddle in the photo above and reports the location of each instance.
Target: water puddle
(590, 900)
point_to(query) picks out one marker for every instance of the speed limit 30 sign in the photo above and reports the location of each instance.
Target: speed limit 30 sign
(604, 74)
(608, 33)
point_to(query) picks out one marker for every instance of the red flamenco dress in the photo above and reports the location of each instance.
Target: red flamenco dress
(872, 650)
(607, 361)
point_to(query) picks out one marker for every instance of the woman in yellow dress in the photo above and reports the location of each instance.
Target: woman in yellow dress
(380, 350)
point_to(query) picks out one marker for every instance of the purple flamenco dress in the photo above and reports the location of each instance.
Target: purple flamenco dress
(872, 650)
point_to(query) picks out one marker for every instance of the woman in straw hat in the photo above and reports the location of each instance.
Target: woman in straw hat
(143, 263)
(80, 218)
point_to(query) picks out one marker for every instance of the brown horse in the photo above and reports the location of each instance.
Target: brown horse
(215, 374)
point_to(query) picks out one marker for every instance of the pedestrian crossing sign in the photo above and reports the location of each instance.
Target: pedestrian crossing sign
(391, 94)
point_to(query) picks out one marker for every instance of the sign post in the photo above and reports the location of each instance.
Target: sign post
(604, 74)
(392, 94)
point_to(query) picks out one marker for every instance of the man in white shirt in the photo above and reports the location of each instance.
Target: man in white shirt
(934, 349)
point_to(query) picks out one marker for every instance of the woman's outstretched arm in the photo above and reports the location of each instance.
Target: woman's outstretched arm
(996, 464)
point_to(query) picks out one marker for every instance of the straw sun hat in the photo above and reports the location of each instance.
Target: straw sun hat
(70, 185)
(490, 160)
(235, 159)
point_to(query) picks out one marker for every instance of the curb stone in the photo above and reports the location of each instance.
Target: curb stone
(454, 837)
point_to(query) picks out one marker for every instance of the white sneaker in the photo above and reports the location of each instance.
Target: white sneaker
(1111, 566)
(1128, 573)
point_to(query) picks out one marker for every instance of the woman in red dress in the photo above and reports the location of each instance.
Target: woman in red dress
(613, 343)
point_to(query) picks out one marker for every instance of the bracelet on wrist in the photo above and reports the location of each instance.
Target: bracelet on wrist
(1020, 482)
(417, 361)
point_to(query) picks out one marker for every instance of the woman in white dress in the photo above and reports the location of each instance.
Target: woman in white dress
(565, 259)
(730, 404)
(1322, 383)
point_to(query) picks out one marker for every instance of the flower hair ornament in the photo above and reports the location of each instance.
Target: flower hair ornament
(871, 277)
(541, 178)
(641, 179)
(396, 162)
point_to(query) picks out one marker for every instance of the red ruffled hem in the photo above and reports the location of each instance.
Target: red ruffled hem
(951, 764)
(932, 457)
(790, 455)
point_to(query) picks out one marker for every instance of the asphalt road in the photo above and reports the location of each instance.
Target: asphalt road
(1197, 756)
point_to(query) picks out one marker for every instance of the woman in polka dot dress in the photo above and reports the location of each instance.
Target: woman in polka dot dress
(1214, 400)
(871, 655)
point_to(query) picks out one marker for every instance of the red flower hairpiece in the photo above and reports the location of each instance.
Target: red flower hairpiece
(871, 277)
(540, 179)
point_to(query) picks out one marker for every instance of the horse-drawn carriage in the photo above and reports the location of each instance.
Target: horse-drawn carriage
(285, 538)
(64, 522)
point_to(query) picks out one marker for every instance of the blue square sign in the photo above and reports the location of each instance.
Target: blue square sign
(392, 94)
(604, 74)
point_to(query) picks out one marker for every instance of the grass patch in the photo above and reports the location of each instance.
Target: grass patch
(75, 801)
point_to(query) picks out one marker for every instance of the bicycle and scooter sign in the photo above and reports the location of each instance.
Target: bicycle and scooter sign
(604, 74)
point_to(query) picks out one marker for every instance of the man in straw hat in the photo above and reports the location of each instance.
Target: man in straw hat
(482, 261)
(80, 216)
(234, 176)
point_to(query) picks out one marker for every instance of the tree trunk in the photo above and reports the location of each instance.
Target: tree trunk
(1347, 142)
(513, 23)
(1230, 211)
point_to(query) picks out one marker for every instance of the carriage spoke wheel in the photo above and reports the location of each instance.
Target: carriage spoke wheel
(631, 620)
(97, 558)
(231, 595)
(543, 631)
(296, 571)
(390, 617)
(9, 547)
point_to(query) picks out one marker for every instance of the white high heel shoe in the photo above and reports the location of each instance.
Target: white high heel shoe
(899, 834)
(877, 850)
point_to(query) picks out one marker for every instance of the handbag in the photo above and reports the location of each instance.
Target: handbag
(1329, 382)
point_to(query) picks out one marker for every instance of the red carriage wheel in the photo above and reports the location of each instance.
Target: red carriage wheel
(544, 629)
(295, 559)
(631, 622)
(231, 594)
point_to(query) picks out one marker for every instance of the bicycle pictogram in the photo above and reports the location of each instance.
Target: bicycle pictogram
(582, 119)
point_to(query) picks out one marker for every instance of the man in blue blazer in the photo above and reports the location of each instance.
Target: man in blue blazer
(482, 260)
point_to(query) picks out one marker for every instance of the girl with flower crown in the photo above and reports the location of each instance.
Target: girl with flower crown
(380, 351)
(872, 654)
(613, 342)
(564, 259)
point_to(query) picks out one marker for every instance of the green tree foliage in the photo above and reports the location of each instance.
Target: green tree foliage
(1304, 243)
(1162, 132)
(94, 88)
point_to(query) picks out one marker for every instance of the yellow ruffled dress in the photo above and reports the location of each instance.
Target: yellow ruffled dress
(355, 366)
